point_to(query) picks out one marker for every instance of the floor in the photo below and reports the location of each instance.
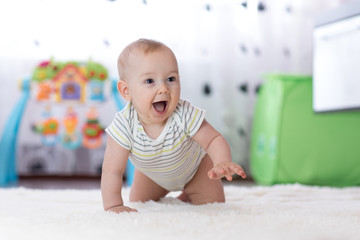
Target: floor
(59, 182)
(84, 182)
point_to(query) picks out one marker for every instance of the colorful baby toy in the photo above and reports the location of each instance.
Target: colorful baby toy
(55, 98)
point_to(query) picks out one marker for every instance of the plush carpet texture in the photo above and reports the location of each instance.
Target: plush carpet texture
(251, 212)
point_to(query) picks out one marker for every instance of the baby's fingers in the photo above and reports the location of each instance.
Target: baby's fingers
(211, 174)
(224, 172)
(216, 173)
(236, 169)
(119, 209)
(228, 177)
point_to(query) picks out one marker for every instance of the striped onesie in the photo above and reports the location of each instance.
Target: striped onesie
(172, 159)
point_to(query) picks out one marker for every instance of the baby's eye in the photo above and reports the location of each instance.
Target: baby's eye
(171, 79)
(149, 80)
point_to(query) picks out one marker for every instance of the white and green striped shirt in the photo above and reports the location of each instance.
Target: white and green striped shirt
(173, 158)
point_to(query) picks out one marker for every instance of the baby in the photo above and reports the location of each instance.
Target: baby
(171, 145)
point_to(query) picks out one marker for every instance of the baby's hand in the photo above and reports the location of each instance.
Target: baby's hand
(119, 209)
(226, 169)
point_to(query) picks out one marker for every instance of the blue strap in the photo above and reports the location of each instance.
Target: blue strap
(8, 140)
(130, 169)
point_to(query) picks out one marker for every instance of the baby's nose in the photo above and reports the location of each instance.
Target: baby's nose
(163, 88)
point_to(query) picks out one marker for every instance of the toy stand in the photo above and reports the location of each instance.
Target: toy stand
(9, 139)
(57, 125)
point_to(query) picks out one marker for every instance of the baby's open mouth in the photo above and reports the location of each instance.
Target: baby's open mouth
(160, 106)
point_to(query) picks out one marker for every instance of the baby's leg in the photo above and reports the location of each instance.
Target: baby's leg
(201, 189)
(144, 189)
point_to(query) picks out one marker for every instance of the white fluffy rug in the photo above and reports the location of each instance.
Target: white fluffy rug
(277, 212)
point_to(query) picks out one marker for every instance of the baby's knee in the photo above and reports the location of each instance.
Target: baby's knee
(207, 195)
(208, 199)
(219, 195)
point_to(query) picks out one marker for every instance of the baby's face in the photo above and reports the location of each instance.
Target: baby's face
(153, 84)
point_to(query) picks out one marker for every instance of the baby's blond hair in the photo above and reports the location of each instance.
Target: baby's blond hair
(142, 44)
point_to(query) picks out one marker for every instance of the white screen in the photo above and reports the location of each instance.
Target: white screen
(336, 72)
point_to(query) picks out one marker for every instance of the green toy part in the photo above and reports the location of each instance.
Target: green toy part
(96, 71)
(48, 69)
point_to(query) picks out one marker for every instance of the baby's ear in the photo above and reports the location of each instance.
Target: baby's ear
(124, 90)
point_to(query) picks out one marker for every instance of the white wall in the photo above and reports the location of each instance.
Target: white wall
(218, 42)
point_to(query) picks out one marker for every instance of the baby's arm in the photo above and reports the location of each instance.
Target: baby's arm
(113, 169)
(219, 151)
